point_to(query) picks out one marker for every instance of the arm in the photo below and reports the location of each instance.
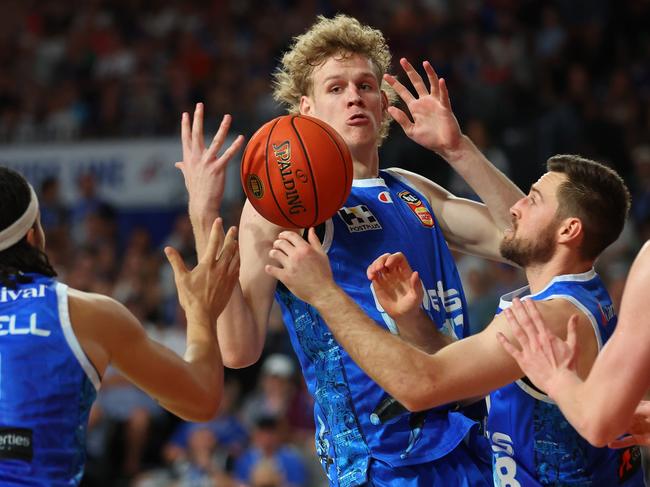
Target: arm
(602, 407)
(399, 292)
(189, 387)
(416, 379)
(468, 226)
(242, 325)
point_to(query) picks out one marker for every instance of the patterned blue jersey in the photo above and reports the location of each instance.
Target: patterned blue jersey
(47, 386)
(355, 418)
(532, 443)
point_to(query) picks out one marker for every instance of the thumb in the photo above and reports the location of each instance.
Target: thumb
(175, 261)
(314, 241)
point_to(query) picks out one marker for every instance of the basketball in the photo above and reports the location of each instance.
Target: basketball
(296, 171)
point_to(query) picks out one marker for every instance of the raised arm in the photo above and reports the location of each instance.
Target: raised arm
(607, 403)
(190, 387)
(416, 379)
(242, 325)
(468, 226)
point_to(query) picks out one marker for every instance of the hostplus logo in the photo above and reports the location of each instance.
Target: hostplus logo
(359, 219)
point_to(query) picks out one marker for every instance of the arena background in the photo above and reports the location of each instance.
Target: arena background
(91, 94)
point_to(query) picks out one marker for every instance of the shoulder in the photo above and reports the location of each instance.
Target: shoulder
(558, 311)
(432, 191)
(98, 311)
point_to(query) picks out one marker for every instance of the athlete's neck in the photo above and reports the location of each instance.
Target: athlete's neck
(365, 164)
(540, 275)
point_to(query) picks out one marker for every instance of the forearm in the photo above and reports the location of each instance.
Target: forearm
(241, 335)
(399, 368)
(204, 378)
(490, 184)
(202, 219)
(421, 332)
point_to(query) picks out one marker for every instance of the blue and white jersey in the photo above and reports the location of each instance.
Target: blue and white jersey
(47, 386)
(532, 443)
(355, 419)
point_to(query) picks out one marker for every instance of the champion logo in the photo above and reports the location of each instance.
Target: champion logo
(384, 197)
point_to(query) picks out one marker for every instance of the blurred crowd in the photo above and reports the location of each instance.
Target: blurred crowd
(527, 80)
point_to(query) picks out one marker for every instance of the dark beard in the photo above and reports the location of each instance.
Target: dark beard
(538, 251)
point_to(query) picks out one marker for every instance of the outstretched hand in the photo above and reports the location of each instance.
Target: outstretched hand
(543, 356)
(434, 124)
(203, 170)
(397, 287)
(639, 429)
(205, 290)
(302, 266)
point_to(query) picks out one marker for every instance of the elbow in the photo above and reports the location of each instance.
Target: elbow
(204, 410)
(597, 433)
(414, 397)
(238, 359)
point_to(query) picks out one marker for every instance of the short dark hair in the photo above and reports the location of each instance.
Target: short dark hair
(595, 194)
(21, 257)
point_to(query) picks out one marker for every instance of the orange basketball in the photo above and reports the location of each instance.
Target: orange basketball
(296, 171)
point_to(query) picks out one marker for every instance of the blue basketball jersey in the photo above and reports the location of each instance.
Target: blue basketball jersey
(355, 419)
(532, 443)
(47, 386)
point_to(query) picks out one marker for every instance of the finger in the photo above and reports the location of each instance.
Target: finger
(631, 440)
(279, 256)
(198, 144)
(233, 267)
(399, 88)
(525, 324)
(444, 94)
(219, 138)
(416, 285)
(314, 241)
(283, 245)
(175, 261)
(433, 78)
(401, 118)
(179, 165)
(517, 331)
(215, 241)
(543, 336)
(398, 261)
(572, 334)
(236, 145)
(509, 347)
(293, 237)
(414, 77)
(275, 271)
(533, 316)
(377, 266)
(230, 246)
(186, 139)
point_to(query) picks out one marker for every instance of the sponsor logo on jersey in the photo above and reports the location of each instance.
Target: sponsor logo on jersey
(417, 207)
(16, 444)
(384, 197)
(606, 313)
(7, 295)
(359, 219)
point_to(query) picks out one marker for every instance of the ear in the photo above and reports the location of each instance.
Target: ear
(384, 101)
(31, 237)
(570, 230)
(305, 105)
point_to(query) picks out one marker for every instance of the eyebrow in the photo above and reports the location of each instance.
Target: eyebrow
(533, 189)
(364, 75)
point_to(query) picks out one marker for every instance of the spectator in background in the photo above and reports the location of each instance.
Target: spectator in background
(267, 446)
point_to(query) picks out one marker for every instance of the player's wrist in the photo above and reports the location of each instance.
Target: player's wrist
(459, 150)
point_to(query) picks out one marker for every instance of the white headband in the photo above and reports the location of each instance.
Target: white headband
(18, 229)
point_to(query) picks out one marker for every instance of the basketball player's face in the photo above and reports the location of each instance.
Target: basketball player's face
(532, 237)
(346, 94)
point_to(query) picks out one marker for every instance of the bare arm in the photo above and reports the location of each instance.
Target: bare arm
(416, 379)
(435, 127)
(242, 325)
(189, 387)
(602, 407)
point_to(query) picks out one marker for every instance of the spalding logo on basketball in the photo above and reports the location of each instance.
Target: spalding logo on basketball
(296, 171)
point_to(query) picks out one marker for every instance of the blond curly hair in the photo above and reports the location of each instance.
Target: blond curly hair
(342, 36)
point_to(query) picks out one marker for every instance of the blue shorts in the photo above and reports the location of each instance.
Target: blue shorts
(460, 468)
